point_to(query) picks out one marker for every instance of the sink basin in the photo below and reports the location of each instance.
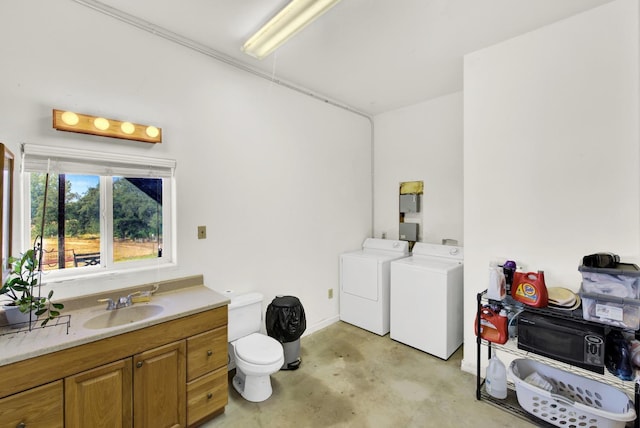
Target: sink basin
(122, 316)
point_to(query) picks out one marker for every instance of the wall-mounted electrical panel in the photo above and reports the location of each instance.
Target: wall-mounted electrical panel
(409, 210)
(409, 203)
(409, 231)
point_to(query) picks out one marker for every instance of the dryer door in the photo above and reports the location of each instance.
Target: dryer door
(359, 276)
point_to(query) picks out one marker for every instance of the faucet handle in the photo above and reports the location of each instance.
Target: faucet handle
(110, 303)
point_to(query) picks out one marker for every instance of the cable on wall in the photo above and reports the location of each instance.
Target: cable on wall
(206, 50)
(166, 34)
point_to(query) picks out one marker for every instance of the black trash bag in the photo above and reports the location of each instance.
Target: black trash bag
(617, 356)
(285, 319)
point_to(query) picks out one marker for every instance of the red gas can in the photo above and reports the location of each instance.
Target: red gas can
(493, 326)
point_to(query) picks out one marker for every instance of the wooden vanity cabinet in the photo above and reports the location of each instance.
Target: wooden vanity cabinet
(117, 394)
(172, 374)
(40, 407)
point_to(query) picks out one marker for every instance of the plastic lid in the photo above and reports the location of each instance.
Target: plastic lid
(620, 269)
(257, 348)
(286, 302)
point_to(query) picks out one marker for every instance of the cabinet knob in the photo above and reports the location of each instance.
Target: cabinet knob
(209, 353)
(209, 395)
(21, 425)
(139, 364)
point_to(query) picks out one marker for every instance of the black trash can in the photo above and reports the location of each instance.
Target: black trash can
(285, 322)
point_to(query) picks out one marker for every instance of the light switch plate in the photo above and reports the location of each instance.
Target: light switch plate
(202, 232)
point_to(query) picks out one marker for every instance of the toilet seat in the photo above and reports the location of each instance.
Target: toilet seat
(259, 349)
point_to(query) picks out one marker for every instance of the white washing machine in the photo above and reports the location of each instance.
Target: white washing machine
(364, 283)
(427, 299)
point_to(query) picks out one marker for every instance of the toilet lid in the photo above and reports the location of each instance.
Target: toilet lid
(257, 348)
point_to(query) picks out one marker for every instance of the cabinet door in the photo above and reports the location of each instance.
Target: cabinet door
(100, 397)
(40, 407)
(159, 387)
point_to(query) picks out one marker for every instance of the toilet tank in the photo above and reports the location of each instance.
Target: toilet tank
(245, 314)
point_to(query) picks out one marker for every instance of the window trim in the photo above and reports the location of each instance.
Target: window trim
(53, 159)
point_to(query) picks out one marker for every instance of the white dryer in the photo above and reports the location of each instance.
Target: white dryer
(427, 299)
(364, 283)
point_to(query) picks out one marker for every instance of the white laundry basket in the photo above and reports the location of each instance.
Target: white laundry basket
(574, 402)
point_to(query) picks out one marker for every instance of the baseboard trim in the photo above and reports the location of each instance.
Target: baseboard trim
(320, 325)
(467, 366)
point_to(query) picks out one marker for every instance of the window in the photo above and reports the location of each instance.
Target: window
(102, 211)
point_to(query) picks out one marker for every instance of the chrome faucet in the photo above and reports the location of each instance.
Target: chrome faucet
(122, 302)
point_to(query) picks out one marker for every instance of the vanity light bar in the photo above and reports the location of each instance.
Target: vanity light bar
(94, 125)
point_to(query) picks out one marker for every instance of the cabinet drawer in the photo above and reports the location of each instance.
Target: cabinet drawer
(206, 352)
(37, 407)
(206, 395)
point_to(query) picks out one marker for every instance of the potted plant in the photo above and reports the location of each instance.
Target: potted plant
(19, 287)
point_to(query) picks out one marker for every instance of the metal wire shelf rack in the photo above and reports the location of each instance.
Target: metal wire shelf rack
(63, 321)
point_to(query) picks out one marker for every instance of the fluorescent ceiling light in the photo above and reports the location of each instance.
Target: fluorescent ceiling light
(293, 18)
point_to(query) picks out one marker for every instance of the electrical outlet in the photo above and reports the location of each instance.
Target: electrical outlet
(330, 293)
(202, 232)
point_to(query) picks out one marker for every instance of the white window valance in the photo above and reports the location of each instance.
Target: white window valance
(38, 158)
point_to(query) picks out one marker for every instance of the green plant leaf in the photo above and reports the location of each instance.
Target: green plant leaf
(23, 277)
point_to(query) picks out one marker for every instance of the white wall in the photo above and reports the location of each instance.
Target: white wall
(281, 181)
(551, 158)
(422, 142)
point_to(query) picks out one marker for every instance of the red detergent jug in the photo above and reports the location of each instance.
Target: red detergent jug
(493, 326)
(529, 288)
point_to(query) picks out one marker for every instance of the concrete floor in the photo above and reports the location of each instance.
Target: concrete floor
(350, 377)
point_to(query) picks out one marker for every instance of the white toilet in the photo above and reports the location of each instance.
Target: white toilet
(254, 355)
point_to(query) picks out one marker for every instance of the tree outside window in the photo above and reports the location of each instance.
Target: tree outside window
(72, 229)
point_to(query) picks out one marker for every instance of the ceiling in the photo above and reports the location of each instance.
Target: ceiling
(370, 55)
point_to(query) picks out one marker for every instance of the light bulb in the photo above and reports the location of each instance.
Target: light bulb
(70, 118)
(127, 127)
(152, 131)
(101, 123)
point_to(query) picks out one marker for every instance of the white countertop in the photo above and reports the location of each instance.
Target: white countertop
(176, 303)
